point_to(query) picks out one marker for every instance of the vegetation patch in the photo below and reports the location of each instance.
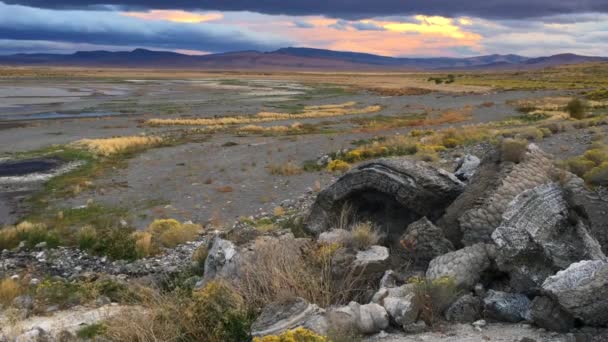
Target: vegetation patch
(286, 169)
(109, 146)
(309, 112)
(592, 166)
(295, 335)
(215, 313)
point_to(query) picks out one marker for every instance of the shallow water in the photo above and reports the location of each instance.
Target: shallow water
(55, 115)
(28, 166)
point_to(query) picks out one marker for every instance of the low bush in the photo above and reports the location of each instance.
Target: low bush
(338, 165)
(214, 313)
(580, 166)
(91, 331)
(576, 109)
(170, 233)
(598, 175)
(513, 150)
(217, 313)
(433, 297)
(200, 256)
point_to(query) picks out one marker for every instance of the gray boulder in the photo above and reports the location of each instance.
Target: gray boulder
(466, 309)
(507, 307)
(399, 303)
(222, 261)
(359, 269)
(372, 260)
(538, 237)
(423, 242)
(478, 211)
(391, 193)
(282, 316)
(367, 319)
(549, 315)
(467, 167)
(590, 206)
(582, 290)
(339, 236)
(465, 265)
(24, 302)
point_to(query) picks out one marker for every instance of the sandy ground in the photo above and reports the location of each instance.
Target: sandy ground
(493, 332)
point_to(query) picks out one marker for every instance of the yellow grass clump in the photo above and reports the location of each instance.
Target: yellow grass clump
(338, 166)
(256, 129)
(9, 290)
(11, 236)
(166, 233)
(309, 112)
(110, 146)
(170, 233)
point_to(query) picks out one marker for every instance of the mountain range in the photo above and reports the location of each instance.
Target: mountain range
(292, 58)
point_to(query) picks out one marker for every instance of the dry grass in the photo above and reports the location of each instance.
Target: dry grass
(284, 269)
(215, 313)
(364, 235)
(9, 290)
(513, 150)
(399, 91)
(144, 244)
(110, 146)
(392, 122)
(286, 169)
(309, 112)
(280, 269)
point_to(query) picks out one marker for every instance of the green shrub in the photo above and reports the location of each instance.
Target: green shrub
(596, 155)
(580, 166)
(218, 314)
(598, 175)
(576, 109)
(89, 332)
(116, 243)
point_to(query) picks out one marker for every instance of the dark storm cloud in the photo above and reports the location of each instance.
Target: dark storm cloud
(352, 9)
(19, 23)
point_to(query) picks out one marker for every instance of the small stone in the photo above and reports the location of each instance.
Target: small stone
(41, 245)
(102, 300)
(24, 302)
(415, 328)
(480, 323)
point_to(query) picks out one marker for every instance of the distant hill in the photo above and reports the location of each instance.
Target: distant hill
(287, 58)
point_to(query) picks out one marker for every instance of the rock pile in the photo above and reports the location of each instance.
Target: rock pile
(513, 245)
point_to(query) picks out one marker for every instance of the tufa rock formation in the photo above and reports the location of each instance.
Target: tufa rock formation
(391, 193)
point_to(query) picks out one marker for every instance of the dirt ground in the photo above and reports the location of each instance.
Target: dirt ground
(223, 176)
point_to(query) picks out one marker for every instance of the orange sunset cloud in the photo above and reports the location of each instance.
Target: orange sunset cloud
(176, 16)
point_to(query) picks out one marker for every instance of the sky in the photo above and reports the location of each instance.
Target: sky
(400, 28)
